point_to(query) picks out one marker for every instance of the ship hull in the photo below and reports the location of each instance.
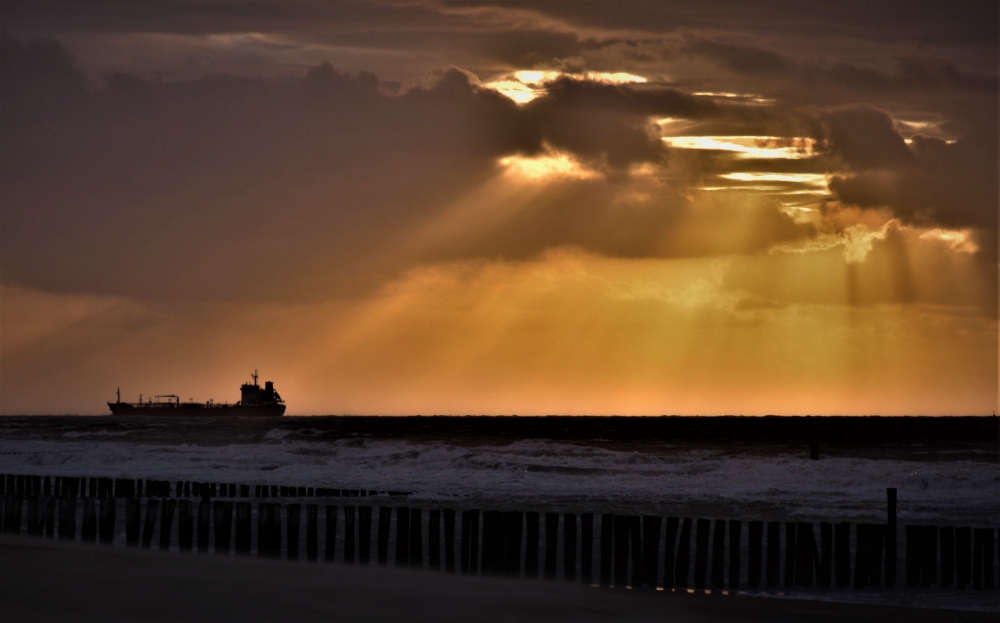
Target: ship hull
(196, 410)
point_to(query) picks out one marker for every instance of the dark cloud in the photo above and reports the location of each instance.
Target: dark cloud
(302, 187)
(742, 59)
(865, 137)
(609, 121)
(931, 181)
(220, 185)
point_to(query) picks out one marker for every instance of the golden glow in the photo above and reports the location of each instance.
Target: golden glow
(515, 90)
(565, 333)
(524, 86)
(536, 77)
(552, 165)
(746, 97)
(959, 241)
(748, 147)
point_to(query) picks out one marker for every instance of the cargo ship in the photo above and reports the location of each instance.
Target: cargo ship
(254, 400)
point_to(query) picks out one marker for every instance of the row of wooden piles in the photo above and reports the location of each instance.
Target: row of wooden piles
(82, 486)
(631, 551)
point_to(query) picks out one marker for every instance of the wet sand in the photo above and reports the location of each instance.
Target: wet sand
(44, 580)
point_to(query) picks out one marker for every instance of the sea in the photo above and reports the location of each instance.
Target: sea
(946, 470)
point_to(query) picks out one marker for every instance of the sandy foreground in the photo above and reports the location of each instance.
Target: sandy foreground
(43, 580)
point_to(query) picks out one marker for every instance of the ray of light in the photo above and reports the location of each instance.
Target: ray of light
(748, 147)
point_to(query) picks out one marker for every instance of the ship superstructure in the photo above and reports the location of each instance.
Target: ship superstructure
(254, 400)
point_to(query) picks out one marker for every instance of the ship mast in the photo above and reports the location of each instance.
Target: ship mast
(254, 375)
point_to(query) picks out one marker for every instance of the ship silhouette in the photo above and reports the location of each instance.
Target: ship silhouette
(254, 400)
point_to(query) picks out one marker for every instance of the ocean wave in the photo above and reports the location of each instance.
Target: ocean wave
(550, 475)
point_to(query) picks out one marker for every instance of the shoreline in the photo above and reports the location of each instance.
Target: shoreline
(44, 579)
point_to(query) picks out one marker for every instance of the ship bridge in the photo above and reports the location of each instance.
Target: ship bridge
(255, 395)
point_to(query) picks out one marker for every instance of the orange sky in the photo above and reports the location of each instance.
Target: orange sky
(613, 214)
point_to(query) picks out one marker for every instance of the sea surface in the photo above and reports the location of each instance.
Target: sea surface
(740, 468)
(946, 471)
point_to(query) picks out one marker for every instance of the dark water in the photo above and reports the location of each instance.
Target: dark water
(945, 469)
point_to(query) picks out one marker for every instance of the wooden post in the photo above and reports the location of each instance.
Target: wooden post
(773, 553)
(755, 553)
(790, 540)
(185, 526)
(50, 518)
(635, 539)
(928, 566)
(223, 526)
(33, 516)
(607, 547)
(331, 533)
(735, 535)
(824, 573)
(242, 541)
(465, 546)
(204, 523)
(449, 541)
(719, 554)
(403, 536)
(683, 559)
(532, 538)
(806, 555)
(166, 522)
(312, 532)
(842, 554)
(293, 513)
(513, 527)
(947, 557)
(384, 522)
(551, 544)
(434, 540)
(364, 534)
(107, 520)
(492, 528)
(587, 548)
(987, 557)
(349, 534)
(416, 539)
(963, 557)
(862, 553)
(669, 551)
(620, 534)
(569, 547)
(982, 542)
(12, 522)
(88, 524)
(651, 550)
(914, 555)
(152, 509)
(133, 512)
(274, 534)
(263, 529)
(890, 538)
(701, 553)
(474, 543)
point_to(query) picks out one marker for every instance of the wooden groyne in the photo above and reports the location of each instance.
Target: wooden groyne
(603, 549)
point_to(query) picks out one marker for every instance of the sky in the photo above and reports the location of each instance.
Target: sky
(435, 207)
